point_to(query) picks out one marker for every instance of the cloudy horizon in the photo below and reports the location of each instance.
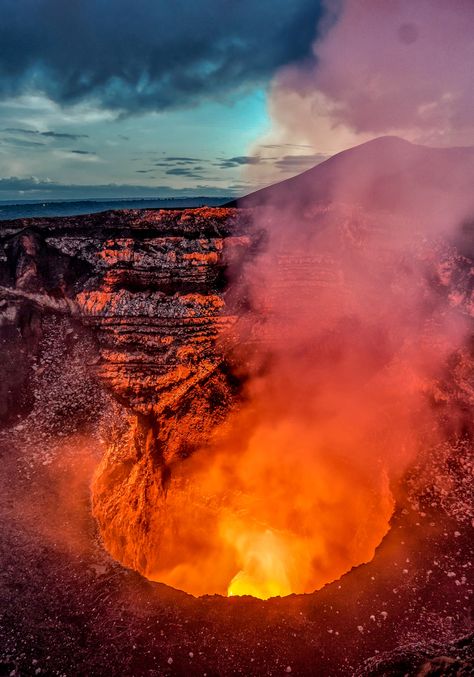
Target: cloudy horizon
(219, 99)
(165, 104)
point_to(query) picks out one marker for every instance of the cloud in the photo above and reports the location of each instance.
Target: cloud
(52, 135)
(31, 183)
(296, 163)
(178, 161)
(183, 159)
(69, 137)
(135, 56)
(277, 146)
(191, 173)
(82, 152)
(239, 161)
(22, 143)
(19, 130)
(286, 163)
(34, 188)
(382, 68)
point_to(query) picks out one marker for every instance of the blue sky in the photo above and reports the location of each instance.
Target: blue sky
(119, 98)
(169, 151)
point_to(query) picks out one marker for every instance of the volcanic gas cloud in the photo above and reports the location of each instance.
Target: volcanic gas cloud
(346, 316)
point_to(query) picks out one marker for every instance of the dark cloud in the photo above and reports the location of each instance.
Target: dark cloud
(82, 152)
(178, 161)
(297, 163)
(19, 130)
(52, 135)
(287, 163)
(187, 167)
(136, 55)
(191, 173)
(22, 143)
(239, 161)
(191, 160)
(69, 137)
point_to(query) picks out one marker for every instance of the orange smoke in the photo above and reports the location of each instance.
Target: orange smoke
(350, 327)
(274, 515)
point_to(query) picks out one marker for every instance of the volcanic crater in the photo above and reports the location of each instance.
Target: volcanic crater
(150, 362)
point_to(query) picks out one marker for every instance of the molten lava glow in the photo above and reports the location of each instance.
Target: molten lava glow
(274, 515)
(265, 562)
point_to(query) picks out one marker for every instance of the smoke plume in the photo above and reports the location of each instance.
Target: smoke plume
(355, 303)
(395, 67)
(348, 314)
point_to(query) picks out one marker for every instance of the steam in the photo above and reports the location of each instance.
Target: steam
(395, 67)
(352, 316)
(348, 314)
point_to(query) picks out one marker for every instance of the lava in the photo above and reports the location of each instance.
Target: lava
(276, 515)
(266, 561)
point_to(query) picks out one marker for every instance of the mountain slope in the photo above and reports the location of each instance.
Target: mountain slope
(387, 173)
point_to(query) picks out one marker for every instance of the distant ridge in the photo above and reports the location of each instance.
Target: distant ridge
(385, 173)
(18, 209)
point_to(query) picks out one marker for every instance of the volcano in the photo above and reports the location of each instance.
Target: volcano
(267, 399)
(380, 174)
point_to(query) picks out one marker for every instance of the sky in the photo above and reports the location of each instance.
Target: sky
(174, 98)
(150, 98)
